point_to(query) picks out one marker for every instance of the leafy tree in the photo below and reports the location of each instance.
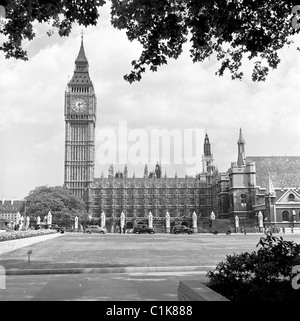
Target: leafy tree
(229, 30)
(64, 206)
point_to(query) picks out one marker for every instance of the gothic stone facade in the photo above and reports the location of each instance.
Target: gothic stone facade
(137, 197)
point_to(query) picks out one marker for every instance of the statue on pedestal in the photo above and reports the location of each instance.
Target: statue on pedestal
(103, 219)
(150, 220)
(167, 222)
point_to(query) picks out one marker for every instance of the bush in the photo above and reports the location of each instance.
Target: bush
(15, 235)
(263, 275)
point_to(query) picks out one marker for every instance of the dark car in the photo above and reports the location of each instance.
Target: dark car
(182, 229)
(220, 226)
(58, 228)
(142, 228)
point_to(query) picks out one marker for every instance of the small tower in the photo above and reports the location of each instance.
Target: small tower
(158, 170)
(207, 157)
(270, 199)
(242, 182)
(125, 171)
(241, 161)
(146, 173)
(111, 171)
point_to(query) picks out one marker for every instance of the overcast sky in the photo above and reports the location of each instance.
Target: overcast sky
(181, 96)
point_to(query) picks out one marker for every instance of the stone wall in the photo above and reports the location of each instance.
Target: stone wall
(195, 290)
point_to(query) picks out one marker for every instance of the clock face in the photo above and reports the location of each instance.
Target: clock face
(79, 105)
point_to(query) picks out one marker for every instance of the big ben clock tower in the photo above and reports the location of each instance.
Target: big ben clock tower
(80, 120)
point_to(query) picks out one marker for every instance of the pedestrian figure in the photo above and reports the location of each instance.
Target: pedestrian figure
(283, 230)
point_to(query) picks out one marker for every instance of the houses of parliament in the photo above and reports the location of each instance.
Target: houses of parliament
(263, 183)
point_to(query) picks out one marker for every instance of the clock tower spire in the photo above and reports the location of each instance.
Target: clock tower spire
(80, 123)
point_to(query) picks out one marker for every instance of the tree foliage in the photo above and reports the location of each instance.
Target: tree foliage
(226, 29)
(229, 30)
(60, 201)
(61, 14)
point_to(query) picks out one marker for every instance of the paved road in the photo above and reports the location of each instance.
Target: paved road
(158, 286)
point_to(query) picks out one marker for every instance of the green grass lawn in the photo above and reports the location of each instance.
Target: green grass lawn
(73, 250)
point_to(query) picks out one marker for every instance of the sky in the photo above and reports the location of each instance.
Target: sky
(182, 98)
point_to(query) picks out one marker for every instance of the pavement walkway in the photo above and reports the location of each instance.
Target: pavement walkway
(146, 286)
(9, 246)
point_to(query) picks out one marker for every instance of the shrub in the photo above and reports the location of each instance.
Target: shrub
(265, 274)
(14, 235)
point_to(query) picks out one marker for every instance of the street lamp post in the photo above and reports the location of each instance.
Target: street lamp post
(244, 205)
(293, 218)
(86, 198)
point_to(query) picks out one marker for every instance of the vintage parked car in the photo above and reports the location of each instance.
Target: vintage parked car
(142, 228)
(58, 228)
(95, 229)
(182, 229)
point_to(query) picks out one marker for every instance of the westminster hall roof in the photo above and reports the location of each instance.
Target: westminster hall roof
(284, 170)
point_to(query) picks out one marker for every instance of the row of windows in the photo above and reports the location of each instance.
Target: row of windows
(286, 216)
(84, 117)
(157, 199)
(81, 89)
(7, 216)
(141, 202)
(146, 191)
(80, 76)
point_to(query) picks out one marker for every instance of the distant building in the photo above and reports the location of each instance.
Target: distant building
(278, 190)
(9, 210)
(137, 197)
(269, 185)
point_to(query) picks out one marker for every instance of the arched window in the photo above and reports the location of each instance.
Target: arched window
(244, 201)
(291, 197)
(285, 216)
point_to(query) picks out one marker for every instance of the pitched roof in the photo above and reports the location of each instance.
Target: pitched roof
(80, 79)
(7, 207)
(284, 170)
(81, 75)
